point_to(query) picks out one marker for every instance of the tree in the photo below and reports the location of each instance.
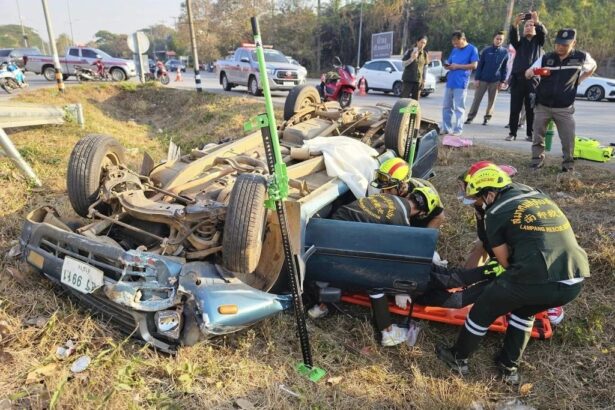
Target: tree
(63, 42)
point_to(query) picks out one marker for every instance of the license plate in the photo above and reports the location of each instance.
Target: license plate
(289, 83)
(81, 276)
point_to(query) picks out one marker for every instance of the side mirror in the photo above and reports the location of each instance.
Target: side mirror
(244, 60)
(388, 70)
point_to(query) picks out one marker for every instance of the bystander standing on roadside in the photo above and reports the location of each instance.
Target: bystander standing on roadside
(490, 76)
(462, 60)
(527, 49)
(562, 71)
(414, 61)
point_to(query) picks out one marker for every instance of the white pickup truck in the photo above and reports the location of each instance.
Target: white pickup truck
(119, 68)
(241, 68)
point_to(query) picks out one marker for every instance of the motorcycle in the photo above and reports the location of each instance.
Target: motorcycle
(87, 74)
(158, 73)
(8, 81)
(338, 85)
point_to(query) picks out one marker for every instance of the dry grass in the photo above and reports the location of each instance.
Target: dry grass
(572, 370)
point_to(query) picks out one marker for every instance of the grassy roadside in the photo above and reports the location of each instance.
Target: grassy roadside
(572, 370)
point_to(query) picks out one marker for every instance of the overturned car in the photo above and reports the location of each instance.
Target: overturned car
(187, 249)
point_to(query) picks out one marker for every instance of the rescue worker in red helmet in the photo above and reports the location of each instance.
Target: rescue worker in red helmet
(544, 267)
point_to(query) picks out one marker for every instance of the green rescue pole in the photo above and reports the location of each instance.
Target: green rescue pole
(277, 193)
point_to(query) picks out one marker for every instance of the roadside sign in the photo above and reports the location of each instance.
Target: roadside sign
(138, 42)
(382, 45)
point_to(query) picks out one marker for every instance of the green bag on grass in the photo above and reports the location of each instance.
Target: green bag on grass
(588, 148)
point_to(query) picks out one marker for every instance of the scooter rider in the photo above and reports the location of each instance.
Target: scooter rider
(545, 267)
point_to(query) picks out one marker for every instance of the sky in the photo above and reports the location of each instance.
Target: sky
(89, 16)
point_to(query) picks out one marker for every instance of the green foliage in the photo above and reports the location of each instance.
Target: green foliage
(10, 36)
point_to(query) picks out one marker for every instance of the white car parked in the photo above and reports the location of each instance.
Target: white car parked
(597, 88)
(384, 74)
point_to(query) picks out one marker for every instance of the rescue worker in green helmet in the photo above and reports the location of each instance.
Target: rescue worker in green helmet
(544, 268)
(393, 178)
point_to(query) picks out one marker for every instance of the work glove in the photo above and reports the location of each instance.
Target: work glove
(493, 269)
(403, 300)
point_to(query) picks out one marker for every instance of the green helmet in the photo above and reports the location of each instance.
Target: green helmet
(490, 176)
(426, 198)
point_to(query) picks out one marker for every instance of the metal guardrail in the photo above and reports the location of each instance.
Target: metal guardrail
(13, 115)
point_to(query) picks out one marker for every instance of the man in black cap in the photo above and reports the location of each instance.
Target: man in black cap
(527, 49)
(560, 73)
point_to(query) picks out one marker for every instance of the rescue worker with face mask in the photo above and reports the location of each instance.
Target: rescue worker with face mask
(544, 267)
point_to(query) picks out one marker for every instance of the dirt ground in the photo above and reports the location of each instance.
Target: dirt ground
(572, 370)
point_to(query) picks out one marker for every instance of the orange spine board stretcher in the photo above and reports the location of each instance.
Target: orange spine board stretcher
(542, 326)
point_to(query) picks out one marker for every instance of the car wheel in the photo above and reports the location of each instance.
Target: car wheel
(225, 84)
(253, 87)
(87, 167)
(594, 93)
(345, 99)
(397, 87)
(300, 97)
(5, 87)
(49, 73)
(244, 229)
(396, 129)
(117, 74)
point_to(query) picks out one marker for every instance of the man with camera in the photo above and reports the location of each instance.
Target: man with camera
(527, 50)
(560, 74)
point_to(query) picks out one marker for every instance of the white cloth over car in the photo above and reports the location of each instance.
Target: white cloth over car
(348, 159)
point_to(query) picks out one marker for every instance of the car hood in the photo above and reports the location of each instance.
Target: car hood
(283, 66)
(117, 61)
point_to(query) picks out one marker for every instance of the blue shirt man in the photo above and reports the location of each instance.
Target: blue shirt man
(462, 60)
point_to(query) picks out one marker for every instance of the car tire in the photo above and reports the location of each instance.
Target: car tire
(298, 98)
(225, 83)
(594, 93)
(345, 99)
(86, 168)
(396, 129)
(117, 74)
(397, 87)
(253, 87)
(49, 73)
(244, 229)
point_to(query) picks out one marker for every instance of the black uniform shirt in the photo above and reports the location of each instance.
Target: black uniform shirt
(542, 245)
(559, 89)
(381, 209)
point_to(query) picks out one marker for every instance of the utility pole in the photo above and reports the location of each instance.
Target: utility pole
(195, 56)
(360, 35)
(54, 50)
(509, 12)
(318, 38)
(70, 23)
(23, 31)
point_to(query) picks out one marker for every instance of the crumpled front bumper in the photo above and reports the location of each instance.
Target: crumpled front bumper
(159, 299)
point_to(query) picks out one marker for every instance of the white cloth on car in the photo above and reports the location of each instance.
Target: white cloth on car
(352, 161)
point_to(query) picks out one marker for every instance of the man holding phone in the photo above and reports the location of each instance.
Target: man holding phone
(462, 60)
(527, 50)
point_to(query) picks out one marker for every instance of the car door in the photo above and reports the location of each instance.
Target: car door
(344, 254)
(88, 56)
(370, 72)
(389, 75)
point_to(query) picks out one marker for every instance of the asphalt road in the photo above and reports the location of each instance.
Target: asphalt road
(594, 119)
